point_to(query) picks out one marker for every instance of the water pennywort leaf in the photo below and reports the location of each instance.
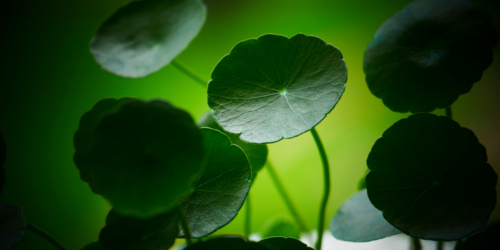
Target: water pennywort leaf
(226, 243)
(273, 87)
(280, 226)
(256, 153)
(431, 179)
(357, 220)
(428, 54)
(143, 36)
(280, 243)
(223, 187)
(12, 223)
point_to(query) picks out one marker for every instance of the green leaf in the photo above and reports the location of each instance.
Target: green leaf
(129, 233)
(226, 243)
(143, 36)
(144, 158)
(428, 54)
(280, 243)
(273, 87)
(3, 156)
(93, 246)
(256, 153)
(223, 187)
(431, 179)
(362, 183)
(12, 223)
(357, 220)
(280, 226)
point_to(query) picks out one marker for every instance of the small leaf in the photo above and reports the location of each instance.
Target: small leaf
(280, 226)
(129, 233)
(93, 246)
(357, 220)
(223, 187)
(256, 153)
(12, 223)
(226, 243)
(273, 87)
(143, 36)
(280, 243)
(144, 158)
(431, 179)
(428, 54)
(3, 156)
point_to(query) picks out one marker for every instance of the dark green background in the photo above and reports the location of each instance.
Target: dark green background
(49, 79)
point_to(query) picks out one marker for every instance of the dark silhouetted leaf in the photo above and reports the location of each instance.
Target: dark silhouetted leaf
(256, 153)
(12, 224)
(486, 239)
(93, 246)
(280, 243)
(223, 187)
(428, 54)
(145, 157)
(273, 87)
(431, 179)
(3, 156)
(281, 226)
(357, 220)
(226, 243)
(129, 233)
(143, 36)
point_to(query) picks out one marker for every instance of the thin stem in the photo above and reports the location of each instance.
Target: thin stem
(457, 245)
(281, 189)
(326, 189)
(189, 73)
(44, 235)
(440, 245)
(416, 243)
(447, 111)
(184, 225)
(248, 217)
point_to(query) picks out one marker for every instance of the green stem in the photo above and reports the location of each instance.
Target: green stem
(447, 112)
(326, 189)
(248, 217)
(189, 73)
(416, 243)
(44, 235)
(440, 245)
(281, 189)
(185, 226)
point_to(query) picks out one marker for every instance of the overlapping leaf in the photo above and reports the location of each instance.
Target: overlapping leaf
(226, 243)
(280, 227)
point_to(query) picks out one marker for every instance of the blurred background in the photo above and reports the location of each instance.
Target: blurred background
(49, 79)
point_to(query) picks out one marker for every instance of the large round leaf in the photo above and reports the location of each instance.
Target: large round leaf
(143, 36)
(280, 226)
(273, 87)
(145, 158)
(223, 187)
(256, 153)
(280, 243)
(428, 54)
(12, 223)
(129, 233)
(357, 220)
(431, 179)
(226, 243)
(3, 155)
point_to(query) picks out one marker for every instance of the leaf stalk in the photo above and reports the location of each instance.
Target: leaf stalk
(189, 73)
(45, 236)
(185, 226)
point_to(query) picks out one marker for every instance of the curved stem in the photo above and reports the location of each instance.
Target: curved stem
(189, 73)
(447, 111)
(326, 189)
(416, 243)
(248, 217)
(281, 189)
(440, 245)
(185, 226)
(44, 235)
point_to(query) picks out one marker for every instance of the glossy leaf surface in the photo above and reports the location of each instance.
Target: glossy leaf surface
(3, 156)
(428, 54)
(280, 227)
(223, 187)
(280, 243)
(129, 233)
(12, 223)
(273, 87)
(143, 36)
(256, 153)
(431, 179)
(357, 220)
(145, 158)
(226, 243)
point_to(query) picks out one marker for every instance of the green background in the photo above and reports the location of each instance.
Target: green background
(49, 79)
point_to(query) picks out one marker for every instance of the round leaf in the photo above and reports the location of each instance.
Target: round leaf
(273, 87)
(357, 220)
(12, 223)
(431, 179)
(145, 158)
(226, 243)
(143, 36)
(129, 233)
(256, 153)
(3, 155)
(223, 187)
(281, 226)
(280, 243)
(428, 54)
